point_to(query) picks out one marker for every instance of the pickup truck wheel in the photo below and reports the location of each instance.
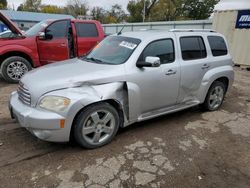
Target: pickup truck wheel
(215, 96)
(96, 125)
(13, 68)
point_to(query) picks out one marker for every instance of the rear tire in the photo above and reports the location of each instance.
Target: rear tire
(13, 68)
(215, 96)
(96, 125)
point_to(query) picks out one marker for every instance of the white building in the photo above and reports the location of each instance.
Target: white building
(232, 18)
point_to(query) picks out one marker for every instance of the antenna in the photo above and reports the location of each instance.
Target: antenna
(120, 32)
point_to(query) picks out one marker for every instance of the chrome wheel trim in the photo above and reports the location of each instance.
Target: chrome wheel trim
(216, 97)
(16, 69)
(98, 127)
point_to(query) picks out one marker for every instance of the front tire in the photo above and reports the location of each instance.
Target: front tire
(13, 68)
(96, 125)
(215, 96)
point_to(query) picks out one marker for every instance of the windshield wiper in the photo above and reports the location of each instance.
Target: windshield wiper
(94, 60)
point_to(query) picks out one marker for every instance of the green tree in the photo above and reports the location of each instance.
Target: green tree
(117, 13)
(20, 7)
(162, 11)
(3, 4)
(136, 9)
(199, 9)
(98, 13)
(31, 5)
(168, 10)
(52, 9)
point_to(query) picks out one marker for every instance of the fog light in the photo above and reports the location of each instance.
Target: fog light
(42, 134)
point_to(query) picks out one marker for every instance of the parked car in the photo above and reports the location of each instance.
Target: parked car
(46, 42)
(6, 34)
(127, 78)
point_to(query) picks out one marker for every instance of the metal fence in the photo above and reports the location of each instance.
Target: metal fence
(192, 24)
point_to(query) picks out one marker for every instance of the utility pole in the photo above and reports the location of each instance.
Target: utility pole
(169, 10)
(144, 10)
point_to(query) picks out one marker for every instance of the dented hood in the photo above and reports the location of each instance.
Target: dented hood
(70, 73)
(10, 24)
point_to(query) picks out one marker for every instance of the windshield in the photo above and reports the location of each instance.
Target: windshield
(113, 50)
(33, 31)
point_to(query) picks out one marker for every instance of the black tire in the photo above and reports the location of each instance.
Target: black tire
(207, 103)
(83, 118)
(4, 67)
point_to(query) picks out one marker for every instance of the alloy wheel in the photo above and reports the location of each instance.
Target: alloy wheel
(98, 127)
(16, 70)
(216, 97)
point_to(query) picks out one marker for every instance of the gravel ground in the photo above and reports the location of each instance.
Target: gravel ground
(186, 149)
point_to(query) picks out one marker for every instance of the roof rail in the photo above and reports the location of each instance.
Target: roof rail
(192, 30)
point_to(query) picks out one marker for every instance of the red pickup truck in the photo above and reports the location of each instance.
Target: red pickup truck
(46, 42)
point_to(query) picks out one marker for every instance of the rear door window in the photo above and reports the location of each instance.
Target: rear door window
(192, 48)
(217, 45)
(86, 30)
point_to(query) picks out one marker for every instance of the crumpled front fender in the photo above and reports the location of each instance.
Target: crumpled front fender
(88, 94)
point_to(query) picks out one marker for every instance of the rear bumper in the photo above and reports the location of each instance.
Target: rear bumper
(43, 124)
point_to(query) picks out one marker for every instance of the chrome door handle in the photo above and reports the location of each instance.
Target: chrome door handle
(170, 72)
(205, 66)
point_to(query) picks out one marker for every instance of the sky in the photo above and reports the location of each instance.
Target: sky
(102, 3)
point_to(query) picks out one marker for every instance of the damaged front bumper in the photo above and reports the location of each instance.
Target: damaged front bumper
(43, 124)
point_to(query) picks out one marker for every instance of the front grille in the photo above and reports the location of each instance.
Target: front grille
(23, 94)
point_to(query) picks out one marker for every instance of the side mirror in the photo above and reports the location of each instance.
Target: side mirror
(45, 36)
(41, 35)
(149, 62)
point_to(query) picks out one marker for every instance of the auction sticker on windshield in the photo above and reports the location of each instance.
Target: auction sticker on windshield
(129, 45)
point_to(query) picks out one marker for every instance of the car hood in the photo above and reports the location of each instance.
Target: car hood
(69, 73)
(10, 25)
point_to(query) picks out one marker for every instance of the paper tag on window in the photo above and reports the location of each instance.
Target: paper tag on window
(129, 45)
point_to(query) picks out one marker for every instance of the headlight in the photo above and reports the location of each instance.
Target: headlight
(54, 103)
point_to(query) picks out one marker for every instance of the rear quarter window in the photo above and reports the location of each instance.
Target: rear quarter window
(86, 30)
(193, 47)
(217, 45)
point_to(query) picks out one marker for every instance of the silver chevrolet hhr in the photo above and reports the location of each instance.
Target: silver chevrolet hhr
(127, 78)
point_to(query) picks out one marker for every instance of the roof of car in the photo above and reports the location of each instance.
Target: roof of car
(149, 34)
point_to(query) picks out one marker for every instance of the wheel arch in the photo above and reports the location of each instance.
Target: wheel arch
(16, 53)
(224, 79)
(114, 103)
(225, 74)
